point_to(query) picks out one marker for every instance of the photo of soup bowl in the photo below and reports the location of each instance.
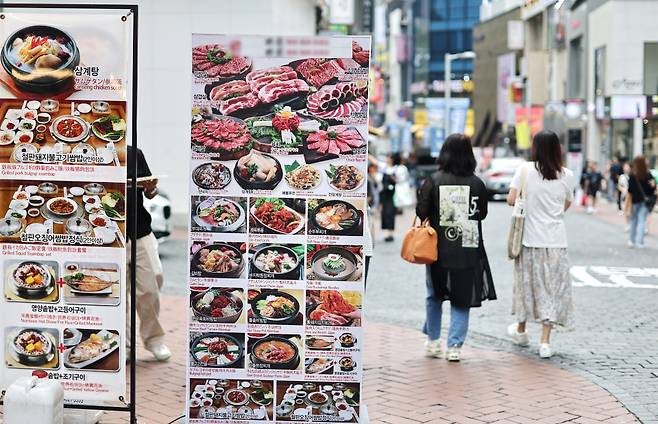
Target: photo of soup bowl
(275, 352)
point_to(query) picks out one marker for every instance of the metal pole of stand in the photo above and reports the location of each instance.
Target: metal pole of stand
(133, 245)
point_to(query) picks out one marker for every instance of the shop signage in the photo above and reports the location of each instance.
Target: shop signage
(65, 110)
(341, 12)
(278, 211)
(628, 107)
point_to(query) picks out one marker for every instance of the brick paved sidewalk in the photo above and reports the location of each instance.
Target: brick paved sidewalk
(402, 386)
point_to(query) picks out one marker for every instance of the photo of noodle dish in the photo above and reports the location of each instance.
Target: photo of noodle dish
(217, 260)
(334, 263)
(218, 214)
(98, 350)
(302, 177)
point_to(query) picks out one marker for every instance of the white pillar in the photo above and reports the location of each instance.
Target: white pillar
(637, 137)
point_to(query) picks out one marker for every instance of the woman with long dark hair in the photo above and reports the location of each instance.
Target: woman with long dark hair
(642, 189)
(542, 285)
(455, 201)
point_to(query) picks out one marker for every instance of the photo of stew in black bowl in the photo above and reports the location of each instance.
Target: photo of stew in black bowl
(40, 58)
(275, 352)
(217, 260)
(216, 350)
(275, 307)
(334, 217)
(275, 262)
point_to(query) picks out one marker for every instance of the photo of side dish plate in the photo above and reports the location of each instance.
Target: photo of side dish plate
(344, 177)
(276, 216)
(89, 351)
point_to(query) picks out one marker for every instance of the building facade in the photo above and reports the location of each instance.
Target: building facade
(450, 31)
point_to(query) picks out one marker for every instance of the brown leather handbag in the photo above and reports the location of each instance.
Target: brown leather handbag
(420, 244)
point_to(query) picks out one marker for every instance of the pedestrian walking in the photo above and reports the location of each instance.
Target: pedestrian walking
(593, 186)
(626, 201)
(616, 171)
(387, 196)
(148, 276)
(455, 201)
(542, 285)
(642, 189)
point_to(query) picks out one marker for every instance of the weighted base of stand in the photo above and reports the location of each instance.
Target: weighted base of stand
(82, 416)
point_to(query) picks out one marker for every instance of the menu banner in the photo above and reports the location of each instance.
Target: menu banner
(64, 114)
(278, 153)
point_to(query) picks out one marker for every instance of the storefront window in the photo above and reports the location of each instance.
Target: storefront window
(622, 138)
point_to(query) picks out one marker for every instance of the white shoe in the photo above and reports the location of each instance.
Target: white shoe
(454, 353)
(640, 246)
(433, 348)
(160, 351)
(630, 244)
(520, 339)
(545, 351)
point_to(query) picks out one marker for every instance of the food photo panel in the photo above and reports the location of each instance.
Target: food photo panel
(280, 352)
(271, 261)
(273, 215)
(315, 401)
(334, 263)
(229, 158)
(215, 214)
(32, 348)
(339, 341)
(333, 308)
(211, 259)
(223, 399)
(218, 305)
(92, 283)
(217, 350)
(91, 350)
(336, 217)
(62, 212)
(31, 281)
(276, 306)
(49, 132)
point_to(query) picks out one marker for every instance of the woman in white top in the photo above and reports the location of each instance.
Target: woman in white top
(542, 286)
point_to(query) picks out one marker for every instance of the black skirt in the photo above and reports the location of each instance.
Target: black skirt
(463, 287)
(388, 212)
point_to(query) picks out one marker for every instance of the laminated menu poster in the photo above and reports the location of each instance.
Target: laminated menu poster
(64, 114)
(278, 152)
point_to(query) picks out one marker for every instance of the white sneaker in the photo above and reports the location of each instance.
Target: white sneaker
(433, 348)
(454, 353)
(160, 351)
(630, 244)
(545, 351)
(520, 339)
